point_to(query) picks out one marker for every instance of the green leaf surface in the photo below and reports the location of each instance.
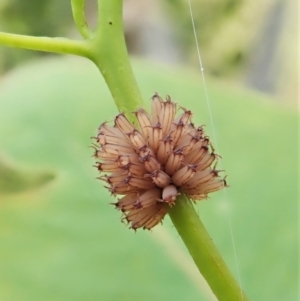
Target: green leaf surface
(61, 240)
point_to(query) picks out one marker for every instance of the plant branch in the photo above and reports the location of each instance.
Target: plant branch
(57, 45)
(79, 18)
(109, 53)
(204, 252)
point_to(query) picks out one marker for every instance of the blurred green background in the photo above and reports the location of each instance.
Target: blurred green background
(254, 44)
(59, 238)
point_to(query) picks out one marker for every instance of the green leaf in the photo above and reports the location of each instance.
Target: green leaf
(63, 241)
(15, 180)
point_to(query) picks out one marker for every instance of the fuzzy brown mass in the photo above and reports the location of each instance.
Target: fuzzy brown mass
(148, 165)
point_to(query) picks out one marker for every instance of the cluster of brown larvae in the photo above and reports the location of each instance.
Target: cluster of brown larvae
(150, 165)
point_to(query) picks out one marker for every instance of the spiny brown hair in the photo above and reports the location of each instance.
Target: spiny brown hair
(150, 165)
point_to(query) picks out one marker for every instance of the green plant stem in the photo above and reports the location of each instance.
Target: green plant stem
(106, 47)
(204, 252)
(57, 45)
(79, 18)
(110, 54)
